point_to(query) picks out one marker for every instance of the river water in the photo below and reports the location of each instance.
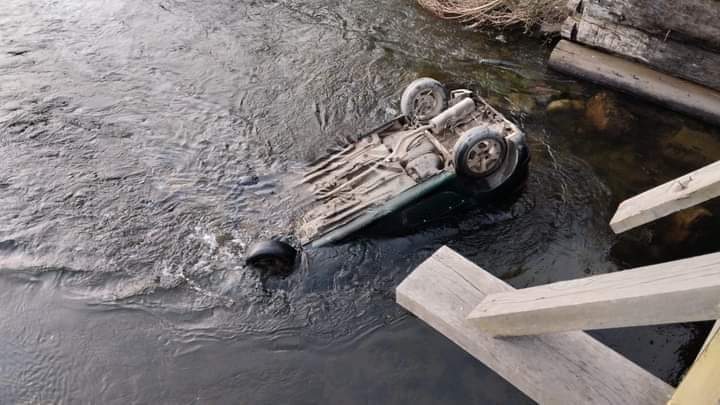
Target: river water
(145, 144)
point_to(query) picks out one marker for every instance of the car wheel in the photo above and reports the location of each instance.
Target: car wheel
(479, 152)
(423, 99)
(271, 256)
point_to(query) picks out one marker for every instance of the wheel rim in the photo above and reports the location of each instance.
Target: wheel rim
(485, 156)
(424, 103)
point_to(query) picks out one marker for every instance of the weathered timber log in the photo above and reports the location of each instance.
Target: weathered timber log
(696, 22)
(675, 58)
(633, 78)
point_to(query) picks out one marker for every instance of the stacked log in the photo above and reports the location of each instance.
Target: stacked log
(680, 39)
(695, 22)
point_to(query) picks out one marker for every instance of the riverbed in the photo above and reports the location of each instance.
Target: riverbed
(145, 145)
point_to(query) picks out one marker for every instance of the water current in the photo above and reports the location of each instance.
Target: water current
(145, 144)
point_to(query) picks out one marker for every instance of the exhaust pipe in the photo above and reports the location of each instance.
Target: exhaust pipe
(452, 115)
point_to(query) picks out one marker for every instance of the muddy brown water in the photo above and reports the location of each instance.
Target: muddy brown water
(144, 145)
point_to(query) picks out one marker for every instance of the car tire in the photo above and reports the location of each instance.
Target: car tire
(271, 256)
(423, 99)
(479, 152)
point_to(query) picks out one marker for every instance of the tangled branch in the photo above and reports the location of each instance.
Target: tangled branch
(500, 13)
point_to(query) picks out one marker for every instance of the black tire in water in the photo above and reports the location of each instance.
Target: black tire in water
(423, 99)
(272, 256)
(479, 152)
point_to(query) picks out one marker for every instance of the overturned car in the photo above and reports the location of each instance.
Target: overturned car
(448, 149)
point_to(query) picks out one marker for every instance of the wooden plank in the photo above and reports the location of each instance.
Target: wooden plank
(566, 368)
(689, 21)
(680, 291)
(633, 78)
(713, 332)
(677, 59)
(700, 386)
(675, 195)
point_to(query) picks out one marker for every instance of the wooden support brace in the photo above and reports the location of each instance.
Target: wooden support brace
(564, 368)
(680, 291)
(675, 195)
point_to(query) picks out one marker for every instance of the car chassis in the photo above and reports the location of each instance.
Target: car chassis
(443, 140)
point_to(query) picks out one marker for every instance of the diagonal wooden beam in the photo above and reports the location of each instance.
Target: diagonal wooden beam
(565, 368)
(675, 195)
(700, 386)
(680, 291)
(713, 332)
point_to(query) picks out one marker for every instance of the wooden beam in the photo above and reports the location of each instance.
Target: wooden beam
(675, 195)
(713, 332)
(636, 79)
(700, 386)
(680, 291)
(690, 21)
(566, 368)
(677, 59)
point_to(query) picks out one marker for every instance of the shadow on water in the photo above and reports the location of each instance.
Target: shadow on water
(145, 145)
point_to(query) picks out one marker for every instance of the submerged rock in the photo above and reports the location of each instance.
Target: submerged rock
(691, 148)
(633, 250)
(521, 102)
(620, 168)
(605, 115)
(686, 233)
(686, 226)
(564, 105)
